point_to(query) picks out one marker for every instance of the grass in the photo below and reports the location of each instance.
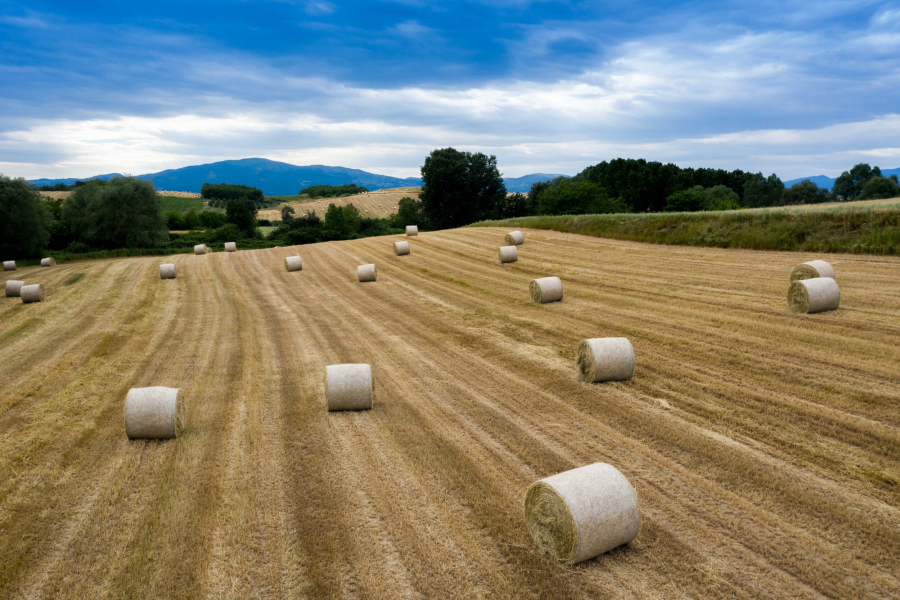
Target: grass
(75, 279)
(182, 205)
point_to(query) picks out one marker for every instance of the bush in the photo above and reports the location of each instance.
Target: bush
(806, 192)
(880, 187)
(24, 221)
(684, 201)
(226, 233)
(212, 220)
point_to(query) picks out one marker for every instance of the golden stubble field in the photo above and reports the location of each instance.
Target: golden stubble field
(764, 447)
(380, 203)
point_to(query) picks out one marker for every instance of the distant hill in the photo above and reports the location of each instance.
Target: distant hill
(524, 183)
(823, 181)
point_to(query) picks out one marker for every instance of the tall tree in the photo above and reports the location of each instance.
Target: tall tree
(24, 221)
(124, 212)
(880, 187)
(460, 187)
(850, 183)
(242, 212)
(760, 191)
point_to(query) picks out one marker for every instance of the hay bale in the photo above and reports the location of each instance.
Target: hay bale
(811, 270)
(814, 295)
(48, 262)
(349, 387)
(508, 254)
(514, 238)
(32, 293)
(9, 265)
(401, 248)
(412, 230)
(293, 263)
(579, 514)
(201, 249)
(230, 246)
(154, 413)
(546, 289)
(366, 273)
(605, 359)
(14, 288)
(167, 271)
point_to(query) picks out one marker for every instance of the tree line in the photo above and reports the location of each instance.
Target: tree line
(333, 191)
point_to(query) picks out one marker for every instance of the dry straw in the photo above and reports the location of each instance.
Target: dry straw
(167, 271)
(9, 265)
(814, 295)
(201, 249)
(605, 359)
(349, 387)
(579, 514)
(811, 270)
(293, 263)
(32, 293)
(14, 288)
(366, 273)
(230, 246)
(401, 248)
(546, 289)
(412, 230)
(514, 238)
(154, 413)
(48, 262)
(508, 254)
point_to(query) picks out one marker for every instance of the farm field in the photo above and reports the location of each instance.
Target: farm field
(380, 203)
(764, 447)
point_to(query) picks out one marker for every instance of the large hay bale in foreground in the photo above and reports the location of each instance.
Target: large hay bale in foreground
(201, 249)
(811, 270)
(508, 254)
(546, 289)
(32, 293)
(814, 295)
(412, 230)
(167, 271)
(48, 262)
(349, 387)
(230, 247)
(579, 514)
(293, 263)
(366, 273)
(605, 359)
(14, 288)
(401, 248)
(154, 413)
(9, 265)
(514, 238)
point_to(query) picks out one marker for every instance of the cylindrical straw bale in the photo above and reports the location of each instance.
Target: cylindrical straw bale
(579, 514)
(32, 293)
(401, 248)
(366, 273)
(48, 262)
(814, 295)
(167, 271)
(9, 265)
(514, 238)
(508, 254)
(293, 263)
(412, 230)
(605, 359)
(154, 413)
(200, 249)
(349, 387)
(14, 288)
(812, 269)
(546, 289)
(230, 246)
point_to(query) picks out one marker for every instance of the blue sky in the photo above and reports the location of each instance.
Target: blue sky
(795, 88)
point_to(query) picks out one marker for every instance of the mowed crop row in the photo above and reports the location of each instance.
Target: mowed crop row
(764, 447)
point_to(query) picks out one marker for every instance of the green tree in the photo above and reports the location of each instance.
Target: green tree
(124, 212)
(409, 212)
(880, 187)
(24, 221)
(516, 205)
(720, 197)
(577, 196)
(287, 214)
(806, 192)
(685, 201)
(760, 191)
(850, 183)
(341, 222)
(460, 187)
(242, 213)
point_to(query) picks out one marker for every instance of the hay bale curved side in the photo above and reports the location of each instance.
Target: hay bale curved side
(814, 295)
(201, 249)
(14, 288)
(605, 359)
(508, 254)
(514, 238)
(366, 273)
(293, 263)
(349, 387)
(811, 270)
(154, 413)
(546, 289)
(401, 248)
(579, 514)
(412, 230)
(32, 293)
(9, 265)
(230, 247)
(48, 262)
(167, 271)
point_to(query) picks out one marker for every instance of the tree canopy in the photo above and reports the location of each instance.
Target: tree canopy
(333, 191)
(850, 183)
(460, 187)
(880, 187)
(24, 221)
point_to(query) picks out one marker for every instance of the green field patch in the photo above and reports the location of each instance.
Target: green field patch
(181, 205)
(75, 278)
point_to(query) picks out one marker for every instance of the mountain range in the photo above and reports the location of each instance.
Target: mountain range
(823, 181)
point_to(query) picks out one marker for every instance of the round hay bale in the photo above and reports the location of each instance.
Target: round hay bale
(14, 288)
(605, 359)
(366, 273)
(201, 249)
(814, 295)
(811, 270)
(167, 271)
(349, 387)
(579, 514)
(401, 248)
(154, 413)
(514, 238)
(412, 230)
(230, 246)
(508, 254)
(546, 289)
(293, 263)
(9, 265)
(32, 293)
(48, 262)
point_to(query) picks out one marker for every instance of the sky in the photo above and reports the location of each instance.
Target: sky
(794, 88)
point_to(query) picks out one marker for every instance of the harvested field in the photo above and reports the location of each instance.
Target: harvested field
(764, 447)
(380, 203)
